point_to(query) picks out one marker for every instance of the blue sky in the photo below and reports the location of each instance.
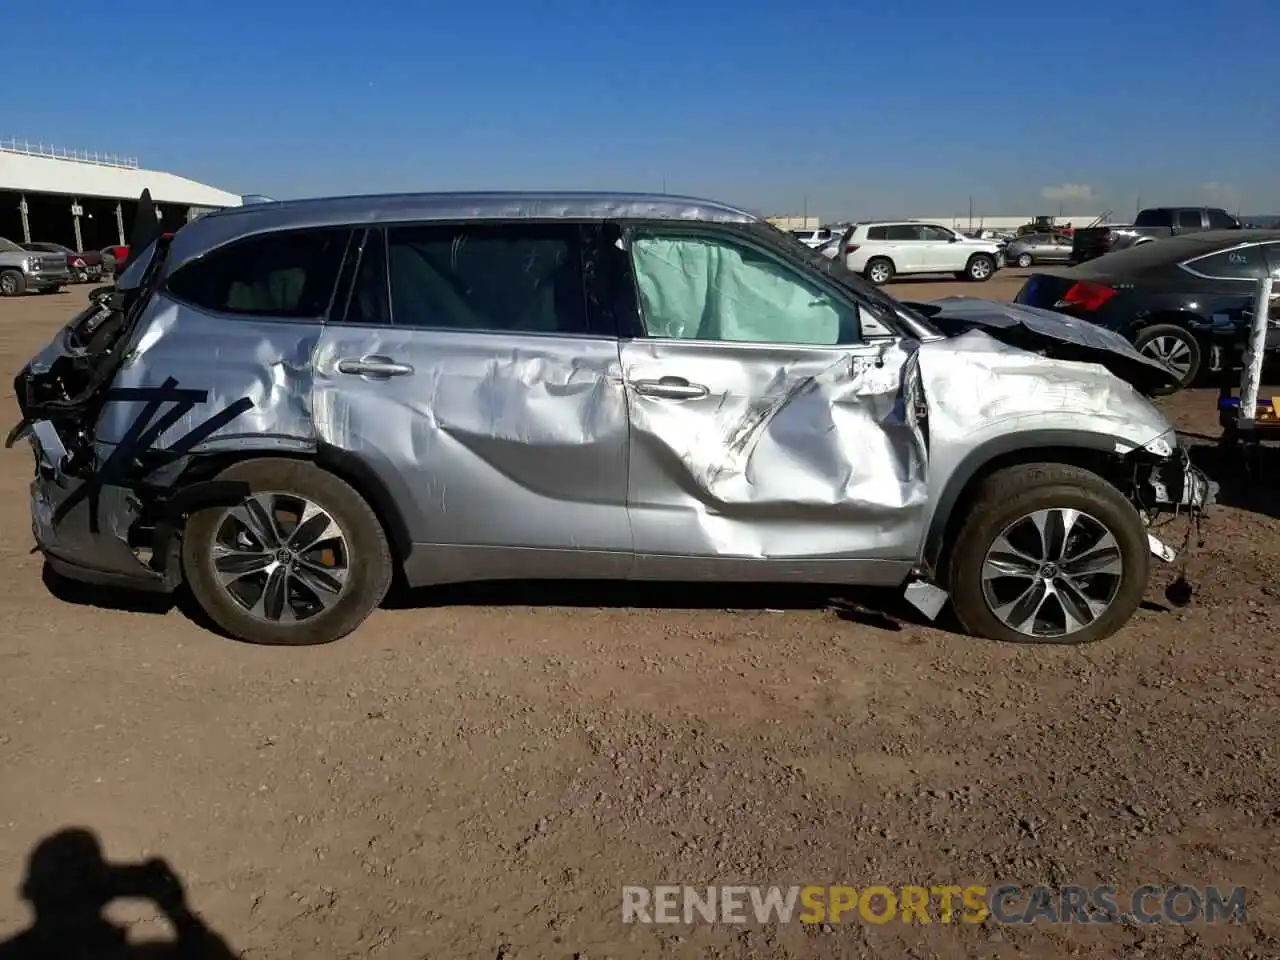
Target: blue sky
(853, 108)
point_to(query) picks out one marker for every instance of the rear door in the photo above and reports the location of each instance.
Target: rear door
(1059, 248)
(463, 367)
(1190, 220)
(768, 439)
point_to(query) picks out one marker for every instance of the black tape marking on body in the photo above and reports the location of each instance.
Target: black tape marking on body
(142, 434)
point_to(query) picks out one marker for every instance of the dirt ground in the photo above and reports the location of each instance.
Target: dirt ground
(478, 772)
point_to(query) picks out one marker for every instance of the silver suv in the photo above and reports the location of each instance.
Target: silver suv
(287, 404)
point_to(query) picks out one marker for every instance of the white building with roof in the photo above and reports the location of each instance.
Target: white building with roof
(86, 200)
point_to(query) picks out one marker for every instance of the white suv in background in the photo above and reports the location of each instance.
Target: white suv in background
(883, 249)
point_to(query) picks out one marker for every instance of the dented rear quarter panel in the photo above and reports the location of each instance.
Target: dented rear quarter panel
(269, 362)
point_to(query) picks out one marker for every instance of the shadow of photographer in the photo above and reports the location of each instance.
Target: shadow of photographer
(69, 886)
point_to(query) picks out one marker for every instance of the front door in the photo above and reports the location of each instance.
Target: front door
(769, 441)
(463, 369)
(940, 251)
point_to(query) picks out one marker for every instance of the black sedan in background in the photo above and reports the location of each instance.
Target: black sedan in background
(1178, 300)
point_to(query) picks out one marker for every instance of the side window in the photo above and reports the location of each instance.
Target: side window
(1190, 219)
(522, 277)
(1238, 263)
(711, 288)
(904, 231)
(287, 274)
(936, 233)
(877, 233)
(1221, 220)
(1157, 217)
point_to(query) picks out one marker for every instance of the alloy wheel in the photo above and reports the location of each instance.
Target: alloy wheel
(281, 557)
(1172, 352)
(1052, 573)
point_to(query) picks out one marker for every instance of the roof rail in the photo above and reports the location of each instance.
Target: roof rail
(48, 151)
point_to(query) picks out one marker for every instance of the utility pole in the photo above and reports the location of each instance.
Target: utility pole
(970, 211)
(805, 214)
(664, 184)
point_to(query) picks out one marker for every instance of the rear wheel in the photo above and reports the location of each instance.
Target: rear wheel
(1048, 553)
(879, 271)
(12, 283)
(1173, 347)
(981, 267)
(303, 559)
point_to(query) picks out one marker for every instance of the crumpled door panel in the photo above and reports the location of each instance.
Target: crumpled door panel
(793, 453)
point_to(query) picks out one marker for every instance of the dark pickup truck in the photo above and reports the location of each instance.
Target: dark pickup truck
(1153, 223)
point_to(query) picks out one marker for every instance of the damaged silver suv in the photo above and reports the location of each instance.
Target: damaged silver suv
(287, 404)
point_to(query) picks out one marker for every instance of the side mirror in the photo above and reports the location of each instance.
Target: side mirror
(954, 238)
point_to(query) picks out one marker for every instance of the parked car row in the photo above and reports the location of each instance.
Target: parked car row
(40, 267)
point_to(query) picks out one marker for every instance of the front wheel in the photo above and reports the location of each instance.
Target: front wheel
(1173, 347)
(981, 268)
(302, 560)
(1048, 553)
(12, 283)
(1024, 260)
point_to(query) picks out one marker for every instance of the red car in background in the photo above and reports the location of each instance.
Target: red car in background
(112, 257)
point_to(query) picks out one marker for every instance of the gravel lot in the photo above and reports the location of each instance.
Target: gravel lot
(478, 772)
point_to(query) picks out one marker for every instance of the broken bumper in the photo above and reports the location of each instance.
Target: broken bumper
(90, 543)
(1178, 485)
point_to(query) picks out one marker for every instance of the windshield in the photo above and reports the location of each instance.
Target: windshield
(8, 246)
(889, 310)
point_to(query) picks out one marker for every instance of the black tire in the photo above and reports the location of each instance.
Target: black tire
(1025, 260)
(1177, 342)
(1015, 492)
(12, 283)
(980, 268)
(369, 569)
(48, 290)
(879, 270)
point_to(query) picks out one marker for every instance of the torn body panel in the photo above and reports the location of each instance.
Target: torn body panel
(491, 446)
(109, 459)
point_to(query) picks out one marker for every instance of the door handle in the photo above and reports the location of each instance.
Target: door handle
(374, 367)
(671, 388)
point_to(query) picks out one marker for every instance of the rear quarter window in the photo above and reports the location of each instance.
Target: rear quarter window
(877, 233)
(1238, 263)
(285, 274)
